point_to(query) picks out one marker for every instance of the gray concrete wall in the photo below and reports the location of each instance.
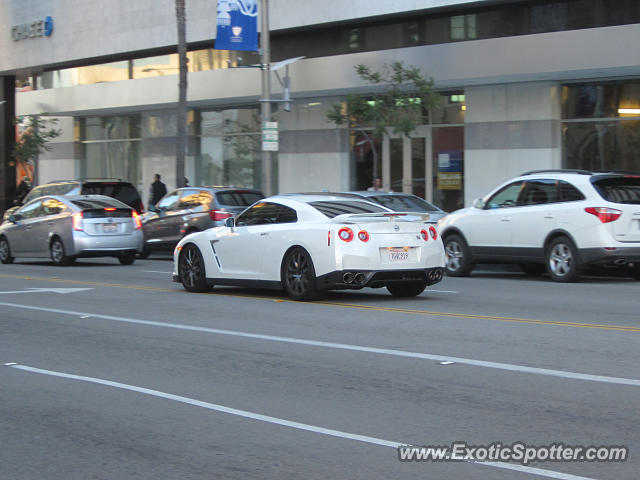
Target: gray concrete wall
(95, 28)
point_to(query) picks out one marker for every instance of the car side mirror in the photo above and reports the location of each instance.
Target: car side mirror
(478, 203)
(15, 218)
(230, 222)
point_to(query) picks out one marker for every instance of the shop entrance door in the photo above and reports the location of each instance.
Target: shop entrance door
(406, 163)
(429, 164)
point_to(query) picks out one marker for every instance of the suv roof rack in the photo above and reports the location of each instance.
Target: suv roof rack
(560, 170)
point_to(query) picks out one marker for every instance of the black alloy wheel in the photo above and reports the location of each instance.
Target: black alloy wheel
(58, 255)
(409, 289)
(299, 276)
(127, 258)
(5, 251)
(191, 270)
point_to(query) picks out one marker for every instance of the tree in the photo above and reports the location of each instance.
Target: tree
(35, 133)
(181, 133)
(398, 102)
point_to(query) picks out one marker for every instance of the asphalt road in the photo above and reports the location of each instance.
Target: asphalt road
(114, 372)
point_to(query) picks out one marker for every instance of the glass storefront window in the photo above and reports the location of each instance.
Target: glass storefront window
(230, 148)
(602, 145)
(448, 167)
(111, 148)
(601, 126)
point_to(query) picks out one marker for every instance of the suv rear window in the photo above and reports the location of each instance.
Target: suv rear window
(619, 189)
(123, 191)
(333, 209)
(238, 198)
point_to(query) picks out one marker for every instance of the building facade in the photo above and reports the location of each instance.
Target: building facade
(525, 85)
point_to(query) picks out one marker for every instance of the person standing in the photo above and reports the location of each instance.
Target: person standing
(157, 191)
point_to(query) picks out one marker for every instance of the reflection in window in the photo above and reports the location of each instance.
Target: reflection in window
(463, 27)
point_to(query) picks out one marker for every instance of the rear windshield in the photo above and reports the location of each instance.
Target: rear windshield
(403, 203)
(125, 192)
(54, 189)
(99, 203)
(333, 209)
(238, 198)
(619, 189)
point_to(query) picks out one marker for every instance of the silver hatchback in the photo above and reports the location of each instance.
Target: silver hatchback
(64, 228)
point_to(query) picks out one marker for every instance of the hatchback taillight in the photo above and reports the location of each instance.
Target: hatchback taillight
(219, 215)
(363, 236)
(136, 220)
(77, 221)
(424, 235)
(433, 232)
(605, 214)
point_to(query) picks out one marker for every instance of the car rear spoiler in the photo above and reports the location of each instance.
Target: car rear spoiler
(381, 217)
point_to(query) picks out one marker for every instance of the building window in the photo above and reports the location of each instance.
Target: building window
(601, 126)
(463, 27)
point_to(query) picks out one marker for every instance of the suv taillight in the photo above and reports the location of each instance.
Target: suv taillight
(605, 214)
(219, 215)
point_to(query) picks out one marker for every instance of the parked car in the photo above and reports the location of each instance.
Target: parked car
(116, 188)
(68, 227)
(561, 220)
(192, 209)
(308, 244)
(402, 202)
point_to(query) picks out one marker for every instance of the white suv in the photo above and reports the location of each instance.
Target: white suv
(563, 220)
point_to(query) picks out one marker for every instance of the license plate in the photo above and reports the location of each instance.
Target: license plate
(109, 227)
(398, 255)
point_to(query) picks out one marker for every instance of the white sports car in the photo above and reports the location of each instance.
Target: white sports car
(311, 243)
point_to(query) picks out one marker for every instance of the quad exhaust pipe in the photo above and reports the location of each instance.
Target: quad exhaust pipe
(355, 278)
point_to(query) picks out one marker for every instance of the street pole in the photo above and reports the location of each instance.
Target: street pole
(265, 53)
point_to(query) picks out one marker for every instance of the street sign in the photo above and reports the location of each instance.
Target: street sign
(270, 137)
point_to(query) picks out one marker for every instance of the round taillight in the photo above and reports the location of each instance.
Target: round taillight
(433, 231)
(363, 235)
(424, 235)
(345, 234)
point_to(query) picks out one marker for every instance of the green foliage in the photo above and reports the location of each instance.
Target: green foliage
(400, 98)
(36, 133)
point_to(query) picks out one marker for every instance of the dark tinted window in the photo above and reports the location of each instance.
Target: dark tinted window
(620, 189)
(403, 203)
(238, 198)
(539, 192)
(569, 193)
(265, 212)
(125, 192)
(334, 208)
(98, 203)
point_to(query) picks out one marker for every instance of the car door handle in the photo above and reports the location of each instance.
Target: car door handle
(505, 219)
(549, 216)
(262, 234)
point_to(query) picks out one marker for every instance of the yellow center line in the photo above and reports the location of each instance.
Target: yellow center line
(375, 308)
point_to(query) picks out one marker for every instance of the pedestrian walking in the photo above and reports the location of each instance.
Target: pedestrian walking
(157, 191)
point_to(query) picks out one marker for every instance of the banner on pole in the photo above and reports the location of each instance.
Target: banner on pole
(237, 25)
